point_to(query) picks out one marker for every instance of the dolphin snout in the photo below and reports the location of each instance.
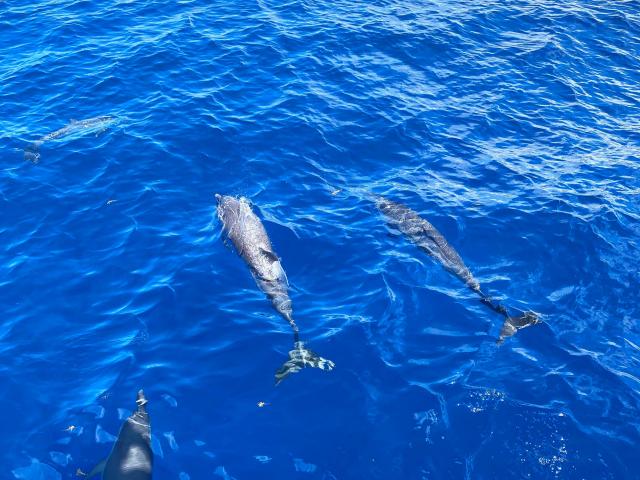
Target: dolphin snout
(141, 400)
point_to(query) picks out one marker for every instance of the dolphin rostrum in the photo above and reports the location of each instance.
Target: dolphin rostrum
(131, 457)
(250, 239)
(89, 125)
(431, 241)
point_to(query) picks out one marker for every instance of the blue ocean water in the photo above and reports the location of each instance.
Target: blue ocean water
(513, 126)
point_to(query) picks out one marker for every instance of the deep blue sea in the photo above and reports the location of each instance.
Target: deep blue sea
(512, 126)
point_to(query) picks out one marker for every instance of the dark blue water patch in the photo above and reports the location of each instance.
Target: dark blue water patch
(512, 127)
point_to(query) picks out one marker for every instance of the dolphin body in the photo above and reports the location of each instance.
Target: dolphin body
(131, 457)
(250, 239)
(95, 124)
(431, 241)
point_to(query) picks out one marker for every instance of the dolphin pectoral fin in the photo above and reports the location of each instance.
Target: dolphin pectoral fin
(101, 131)
(270, 255)
(299, 358)
(393, 232)
(94, 471)
(512, 324)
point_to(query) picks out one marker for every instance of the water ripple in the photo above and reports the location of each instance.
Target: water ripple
(511, 126)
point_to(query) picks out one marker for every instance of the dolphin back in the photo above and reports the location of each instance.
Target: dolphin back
(132, 457)
(243, 227)
(88, 125)
(429, 239)
(250, 239)
(423, 234)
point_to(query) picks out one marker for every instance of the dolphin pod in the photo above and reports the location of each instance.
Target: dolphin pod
(250, 239)
(89, 125)
(431, 241)
(131, 457)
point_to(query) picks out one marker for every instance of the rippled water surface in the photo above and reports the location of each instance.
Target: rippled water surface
(513, 126)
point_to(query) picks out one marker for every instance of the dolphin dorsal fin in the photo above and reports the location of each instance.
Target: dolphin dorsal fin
(270, 255)
(97, 469)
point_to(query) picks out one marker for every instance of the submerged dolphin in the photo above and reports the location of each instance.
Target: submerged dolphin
(250, 239)
(89, 125)
(131, 457)
(431, 241)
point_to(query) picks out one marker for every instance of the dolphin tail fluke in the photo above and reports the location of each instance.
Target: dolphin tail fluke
(301, 357)
(512, 324)
(32, 152)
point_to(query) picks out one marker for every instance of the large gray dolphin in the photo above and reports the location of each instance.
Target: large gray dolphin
(431, 241)
(89, 125)
(250, 239)
(131, 457)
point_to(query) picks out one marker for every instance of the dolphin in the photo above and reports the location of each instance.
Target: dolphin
(89, 125)
(250, 239)
(431, 241)
(131, 457)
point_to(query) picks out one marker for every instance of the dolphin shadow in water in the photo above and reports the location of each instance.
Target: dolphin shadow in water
(249, 237)
(431, 241)
(131, 457)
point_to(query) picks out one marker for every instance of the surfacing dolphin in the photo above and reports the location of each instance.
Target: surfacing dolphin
(250, 239)
(431, 241)
(89, 125)
(131, 457)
